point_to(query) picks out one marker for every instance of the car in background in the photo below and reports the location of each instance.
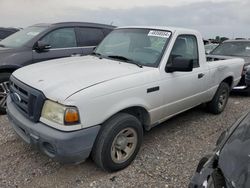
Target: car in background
(236, 48)
(228, 165)
(5, 32)
(44, 42)
(247, 77)
(210, 47)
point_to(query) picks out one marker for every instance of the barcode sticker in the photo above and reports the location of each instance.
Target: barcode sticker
(163, 34)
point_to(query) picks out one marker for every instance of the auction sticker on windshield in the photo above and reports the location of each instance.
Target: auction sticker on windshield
(163, 34)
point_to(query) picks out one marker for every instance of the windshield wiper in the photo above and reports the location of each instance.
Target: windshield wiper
(125, 59)
(97, 54)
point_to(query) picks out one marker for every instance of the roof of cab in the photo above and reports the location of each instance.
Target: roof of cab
(172, 29)
(84, 24)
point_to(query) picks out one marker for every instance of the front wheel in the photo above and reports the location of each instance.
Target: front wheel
(219, 101)
(4, 90)
(118, 142)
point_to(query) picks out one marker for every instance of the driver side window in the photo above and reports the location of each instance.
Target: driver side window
(186, 47)
(61, 38)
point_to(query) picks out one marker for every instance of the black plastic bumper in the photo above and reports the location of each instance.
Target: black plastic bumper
(247, 78)
(242, 87)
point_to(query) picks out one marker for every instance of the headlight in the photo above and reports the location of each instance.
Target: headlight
(61, 114)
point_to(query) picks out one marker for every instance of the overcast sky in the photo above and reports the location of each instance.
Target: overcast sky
(210, 17)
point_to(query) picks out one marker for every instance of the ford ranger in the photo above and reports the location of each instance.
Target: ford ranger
(100, 105)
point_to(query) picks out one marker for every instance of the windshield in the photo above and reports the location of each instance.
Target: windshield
(22, 37)
(142, 46)
(239, 48)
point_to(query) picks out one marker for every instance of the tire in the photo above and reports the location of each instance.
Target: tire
(216, 180)
(112, 141)
(219, 101)
(4, 89)
(202, 163)
(248, 91)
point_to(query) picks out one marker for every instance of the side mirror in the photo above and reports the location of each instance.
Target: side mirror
(180, 64)
(42, 46)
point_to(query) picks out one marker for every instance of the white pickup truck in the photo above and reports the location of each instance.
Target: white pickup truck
(100, 105)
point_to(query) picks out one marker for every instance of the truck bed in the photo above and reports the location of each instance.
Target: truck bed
(211, 58)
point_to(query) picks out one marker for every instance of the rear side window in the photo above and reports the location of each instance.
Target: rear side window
(89, 36)
(61, 38)
(186, 46)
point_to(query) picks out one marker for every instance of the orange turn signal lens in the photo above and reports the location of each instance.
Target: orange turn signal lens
(71, 116)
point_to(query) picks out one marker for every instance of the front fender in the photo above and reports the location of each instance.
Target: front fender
(109, 107)
(96, 110)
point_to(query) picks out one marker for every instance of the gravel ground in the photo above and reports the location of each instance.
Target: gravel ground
(168, 156)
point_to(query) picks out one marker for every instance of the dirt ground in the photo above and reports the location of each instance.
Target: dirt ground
(168, 157)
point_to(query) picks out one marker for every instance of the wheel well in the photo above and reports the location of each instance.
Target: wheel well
(229, 81)
(140, 113)
(10, 70)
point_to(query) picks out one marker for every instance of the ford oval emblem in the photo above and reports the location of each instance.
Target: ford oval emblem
(17, 97)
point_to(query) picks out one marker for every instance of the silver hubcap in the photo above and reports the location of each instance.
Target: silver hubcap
(222, 99)
(124, 145)
(4, 90)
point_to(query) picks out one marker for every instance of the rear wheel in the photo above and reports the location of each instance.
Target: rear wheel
(4, 90)
(118, 142)
(219, 101)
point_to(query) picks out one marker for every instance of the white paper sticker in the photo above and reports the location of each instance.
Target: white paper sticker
(32, 33)
(163, 34)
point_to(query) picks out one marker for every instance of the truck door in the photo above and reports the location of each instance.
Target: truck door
(62, 42)
(183, 90)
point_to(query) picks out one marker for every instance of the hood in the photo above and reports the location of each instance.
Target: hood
(234, 158)
(59, 79)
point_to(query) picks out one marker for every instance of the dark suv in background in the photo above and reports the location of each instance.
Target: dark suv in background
(44, 42)
(5, 32)
(236, 48)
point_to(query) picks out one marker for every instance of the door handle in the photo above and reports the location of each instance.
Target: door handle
(200, 75)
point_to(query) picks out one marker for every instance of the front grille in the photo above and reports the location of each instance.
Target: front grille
(28, 100)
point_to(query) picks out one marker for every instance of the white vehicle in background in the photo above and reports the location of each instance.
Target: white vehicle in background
(99, 105)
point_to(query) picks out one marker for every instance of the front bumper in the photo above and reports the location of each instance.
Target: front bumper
(67, 147)
(248, 78)
(242, 86)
